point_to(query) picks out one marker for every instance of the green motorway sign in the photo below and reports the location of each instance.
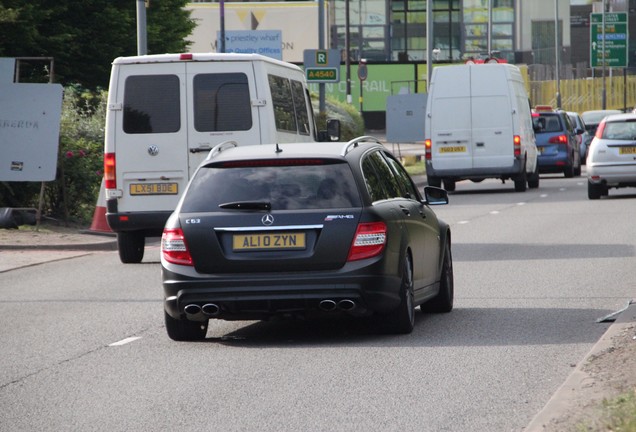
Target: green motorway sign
(614, 52)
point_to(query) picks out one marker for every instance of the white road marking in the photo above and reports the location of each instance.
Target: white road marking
(462, 222)
(125, 341)
(543, 195)
(494, 212)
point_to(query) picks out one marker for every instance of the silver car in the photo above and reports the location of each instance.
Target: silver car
(611, 161)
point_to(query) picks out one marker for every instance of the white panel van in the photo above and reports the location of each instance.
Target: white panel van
(166, 112)
(478, 125)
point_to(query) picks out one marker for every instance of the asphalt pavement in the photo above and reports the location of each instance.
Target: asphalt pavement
(24, 248)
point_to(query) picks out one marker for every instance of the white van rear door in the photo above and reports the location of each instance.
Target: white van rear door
(451, 119)
(150, 135)
(491, 117)
(223, 106)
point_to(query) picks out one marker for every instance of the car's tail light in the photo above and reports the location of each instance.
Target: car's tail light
(110, 181)
(516, 140)
(369, 241)
(428, 149)
(559, 139)
(174, 247)
(600, 129)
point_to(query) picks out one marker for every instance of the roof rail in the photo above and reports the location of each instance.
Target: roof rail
(354, 143)
(220, 147)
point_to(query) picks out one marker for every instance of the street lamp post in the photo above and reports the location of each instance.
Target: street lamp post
(347, 48)
(556, 53)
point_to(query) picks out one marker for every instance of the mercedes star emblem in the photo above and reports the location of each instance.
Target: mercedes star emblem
(268, 219)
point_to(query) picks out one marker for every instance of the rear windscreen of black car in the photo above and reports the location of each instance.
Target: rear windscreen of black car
(290, 184)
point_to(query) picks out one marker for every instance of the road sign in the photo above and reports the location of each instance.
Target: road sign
(616, 40)
(322, 65)
(322, 74)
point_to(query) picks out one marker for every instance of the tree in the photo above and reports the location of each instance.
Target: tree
(84, 36)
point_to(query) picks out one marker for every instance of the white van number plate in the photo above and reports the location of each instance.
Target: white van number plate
(453, 149)
(154, 188)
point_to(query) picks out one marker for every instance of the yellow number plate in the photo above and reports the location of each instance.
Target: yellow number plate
(453, 149)
(269, 241)
(627, 150)
(154, 188)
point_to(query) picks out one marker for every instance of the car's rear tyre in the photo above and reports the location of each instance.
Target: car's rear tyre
(434, 181)
(185, 330)
(402, 319)
(443, 301)
(131, 247)
(568, 171)
(595, 191)
(449, 185)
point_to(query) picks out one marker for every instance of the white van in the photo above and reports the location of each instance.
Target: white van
(166, 112)
(478, 125)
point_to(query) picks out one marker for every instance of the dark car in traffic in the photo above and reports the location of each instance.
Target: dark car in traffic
(303, 230)
(557, 142)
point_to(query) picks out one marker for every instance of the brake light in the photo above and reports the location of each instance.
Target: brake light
(186, 56)
(428, 149)
(516, 140)
(600, 129)
(174, 248)
(110, 181)
(368, 242)
(559, 139)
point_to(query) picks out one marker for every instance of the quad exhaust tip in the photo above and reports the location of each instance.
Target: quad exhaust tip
(211, 309)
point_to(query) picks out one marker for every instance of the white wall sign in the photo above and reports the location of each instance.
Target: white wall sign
(265, 42)
(29, 131)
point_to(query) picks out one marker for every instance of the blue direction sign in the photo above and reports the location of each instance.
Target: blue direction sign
(322, 66)
(610, 51)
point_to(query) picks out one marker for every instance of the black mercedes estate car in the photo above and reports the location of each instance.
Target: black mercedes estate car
(296, 230)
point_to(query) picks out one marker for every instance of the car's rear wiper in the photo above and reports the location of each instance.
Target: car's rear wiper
(247, 205)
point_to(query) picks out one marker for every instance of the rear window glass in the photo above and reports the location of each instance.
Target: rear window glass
(548, 123)
(222, 102)
(323, 186)
(620, 130)
(152, 104)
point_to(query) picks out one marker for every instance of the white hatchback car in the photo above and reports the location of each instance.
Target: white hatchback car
(611, 161)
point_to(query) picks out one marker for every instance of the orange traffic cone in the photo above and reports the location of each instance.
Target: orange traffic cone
(99, 224)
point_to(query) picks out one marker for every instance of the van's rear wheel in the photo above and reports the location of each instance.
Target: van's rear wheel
(533, 179)
(449, 185)
(434, 181)
(131, 247)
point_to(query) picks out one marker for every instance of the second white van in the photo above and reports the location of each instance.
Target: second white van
(167, 112)
(478, 125)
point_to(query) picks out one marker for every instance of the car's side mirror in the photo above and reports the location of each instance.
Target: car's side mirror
(332, 133)
(435, 196)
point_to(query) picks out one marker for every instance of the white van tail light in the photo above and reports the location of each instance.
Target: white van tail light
(428, 149)
(174, 248)
(110, 181)
(516, 140)
(368, 242)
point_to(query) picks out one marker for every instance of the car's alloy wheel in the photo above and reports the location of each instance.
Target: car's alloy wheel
(185, 330)
(443, 301)
(402, 319)
(131, 247)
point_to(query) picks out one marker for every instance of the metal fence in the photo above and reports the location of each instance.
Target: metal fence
(582, 88)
